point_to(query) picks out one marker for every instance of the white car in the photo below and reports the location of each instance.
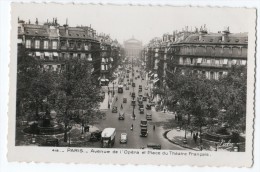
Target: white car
(146, 88)
(123, 138)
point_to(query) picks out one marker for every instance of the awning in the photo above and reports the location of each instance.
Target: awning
(155, 75)
(46, 54)
(156, 80)
(37, 53)
(106, 79)
(55, 54)
(199, 60)
(225, 61)
(102, 80)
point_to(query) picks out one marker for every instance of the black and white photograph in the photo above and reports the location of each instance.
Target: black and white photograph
(133, 78)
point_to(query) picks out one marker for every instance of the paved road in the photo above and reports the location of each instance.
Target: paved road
(134, 139)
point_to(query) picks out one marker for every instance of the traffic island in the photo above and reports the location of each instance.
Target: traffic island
(177, 136)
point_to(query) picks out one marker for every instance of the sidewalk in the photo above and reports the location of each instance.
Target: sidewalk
(177, 138)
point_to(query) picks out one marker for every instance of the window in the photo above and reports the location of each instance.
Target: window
(78, 45)
(204, 60)
(45, 44)
(54, 44)
(62, 43)
(181, 60)
(28, 43)
(37, 44)
(71, 44)
(86, 46)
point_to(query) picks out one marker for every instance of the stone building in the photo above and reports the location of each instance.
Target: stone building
(53, 44)
(132, 47)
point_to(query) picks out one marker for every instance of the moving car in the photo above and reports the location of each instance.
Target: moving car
(144, 132)
(124, 100)
(133, 84)
(114, 109)
(123, 138)
(121, 116)
(148, 116)
(148, 107)
(146, 87)
(133, 94)
(108, 137)
(144, 98)
(143, 123)
(127, 87)
(133, 102)
(141, 110)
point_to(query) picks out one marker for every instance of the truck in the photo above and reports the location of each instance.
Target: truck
(108, 137)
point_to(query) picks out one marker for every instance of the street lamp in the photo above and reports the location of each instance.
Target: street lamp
(133, 111)
(113, 89)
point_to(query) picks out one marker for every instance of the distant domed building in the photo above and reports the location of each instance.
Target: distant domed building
(133, 47)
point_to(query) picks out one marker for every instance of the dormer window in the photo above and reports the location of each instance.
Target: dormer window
(211, 40)
(84, 35)
(36, 32)
(246, 41)
(237, 40)
(77, 34)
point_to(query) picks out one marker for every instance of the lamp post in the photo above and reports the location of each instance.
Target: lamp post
(133, 111)
(113, 89)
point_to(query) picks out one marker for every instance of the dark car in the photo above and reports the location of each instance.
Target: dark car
(95, 136)
(154, 146)
(133, 94)
(141, 110)
(144, 98)
(121, 116)
(124, 100)
(133, 84)
(148, 107)
(114, 109)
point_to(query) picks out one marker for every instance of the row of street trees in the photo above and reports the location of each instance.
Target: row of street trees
(203, 102)
(72, 89)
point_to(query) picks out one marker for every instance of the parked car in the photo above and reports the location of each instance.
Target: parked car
(133, 102)
(95, 136)
(121, 116)
(149, 116)
(114, 109)
(127, 87)
(143, 123)
(124, 100)
(154, 146)
(152, 103)
(144, 98)
(123, 138)
(146, 87)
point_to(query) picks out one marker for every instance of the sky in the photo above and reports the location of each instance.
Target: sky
(140, 22)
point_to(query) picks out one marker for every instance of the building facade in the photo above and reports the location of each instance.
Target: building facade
(53, 44)
(208, 54)
(132, 47)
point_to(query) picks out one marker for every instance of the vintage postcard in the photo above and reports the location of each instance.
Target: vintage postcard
(159, 85)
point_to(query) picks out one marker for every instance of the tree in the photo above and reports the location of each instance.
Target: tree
(76, 93)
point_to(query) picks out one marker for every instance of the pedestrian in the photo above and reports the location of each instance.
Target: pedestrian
(116, 98)
(121, 106)
(195, 138)
(191, 131)
(153, 127)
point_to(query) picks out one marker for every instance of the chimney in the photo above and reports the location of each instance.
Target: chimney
(36, 22)
(225, 34)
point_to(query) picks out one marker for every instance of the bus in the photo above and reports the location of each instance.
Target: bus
(120, 89)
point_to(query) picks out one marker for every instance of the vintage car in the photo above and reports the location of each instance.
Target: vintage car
(114, 109)
(144, 98)
(148, 107)
(121, 116)
(124, 100)
(123, 138)
(133, 103)
(141, 110)
(148, 116)
(127, 87)
(95, 136)
(154, 146)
